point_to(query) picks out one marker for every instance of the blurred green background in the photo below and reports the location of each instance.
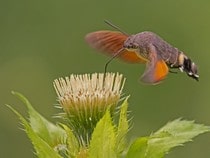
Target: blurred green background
(44, 39)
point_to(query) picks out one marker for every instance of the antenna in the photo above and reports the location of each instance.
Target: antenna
(116, 27)
(117, 54)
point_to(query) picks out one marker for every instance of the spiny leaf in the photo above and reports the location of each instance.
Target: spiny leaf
(103, 142)
(72, 142)
(43, 150)
(52, 134)
(176, 133)
(122, 128)
(173, 134)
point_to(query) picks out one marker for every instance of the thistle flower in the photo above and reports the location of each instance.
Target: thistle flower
(85, 99)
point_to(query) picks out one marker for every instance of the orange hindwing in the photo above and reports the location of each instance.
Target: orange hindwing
(156, 69)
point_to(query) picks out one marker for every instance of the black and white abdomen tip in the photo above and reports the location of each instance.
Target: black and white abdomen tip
(189, 67)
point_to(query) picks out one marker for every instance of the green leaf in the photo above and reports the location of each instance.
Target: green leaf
(138, 148)
(176, 133)
(72, 142)
(173, 134)
(54, 135)
(122, 128)
(43, 150)
(103, 142)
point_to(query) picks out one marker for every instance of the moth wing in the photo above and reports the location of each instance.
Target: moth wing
(110, 42)
(156, 68)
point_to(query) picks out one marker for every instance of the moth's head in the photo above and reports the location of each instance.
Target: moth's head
(189, 67)
(130, 43)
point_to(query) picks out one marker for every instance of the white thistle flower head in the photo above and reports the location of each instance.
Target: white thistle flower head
(85, 99)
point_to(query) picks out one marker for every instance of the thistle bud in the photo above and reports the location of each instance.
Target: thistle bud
(85, 99)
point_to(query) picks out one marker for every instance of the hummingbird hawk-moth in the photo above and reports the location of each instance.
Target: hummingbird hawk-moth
(144, 47)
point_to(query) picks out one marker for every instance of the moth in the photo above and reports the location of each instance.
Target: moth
(144, 47)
